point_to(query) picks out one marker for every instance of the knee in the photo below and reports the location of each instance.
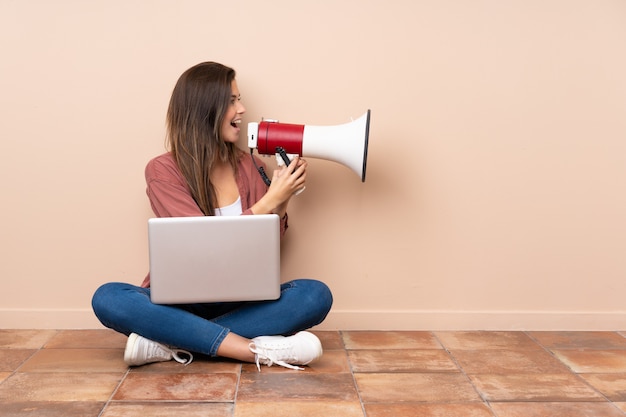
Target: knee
(103, 295)
(318, 294)
(101, 301)
(98, 296)
(107, 298)
(325, 295)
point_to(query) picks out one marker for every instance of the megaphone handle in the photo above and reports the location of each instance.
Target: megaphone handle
(283, 155)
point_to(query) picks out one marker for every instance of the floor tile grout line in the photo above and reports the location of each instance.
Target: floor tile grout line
(21, 365)
(617, 408)
(572, 371)
(117, 387)
(237, 386)
(462, 371)
(356, 385)
(56, 333)
(35, 351)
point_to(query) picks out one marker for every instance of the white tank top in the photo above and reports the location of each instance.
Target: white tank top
(230, 210)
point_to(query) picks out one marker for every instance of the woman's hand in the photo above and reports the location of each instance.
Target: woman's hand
(285, 182)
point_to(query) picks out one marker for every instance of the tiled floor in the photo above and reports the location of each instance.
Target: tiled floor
(71, 373)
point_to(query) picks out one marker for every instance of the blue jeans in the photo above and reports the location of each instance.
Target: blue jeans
(201, 328)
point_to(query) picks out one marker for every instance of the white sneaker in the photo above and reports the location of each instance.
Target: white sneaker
(140, 351)
(300, 349)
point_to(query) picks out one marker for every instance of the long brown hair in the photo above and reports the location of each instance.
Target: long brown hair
(194, 119)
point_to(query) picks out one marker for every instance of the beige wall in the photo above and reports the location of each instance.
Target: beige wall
(496, 184)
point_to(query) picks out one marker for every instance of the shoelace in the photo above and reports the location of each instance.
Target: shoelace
(266, 354)
(176, 352)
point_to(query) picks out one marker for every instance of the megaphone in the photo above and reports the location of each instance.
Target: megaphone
(345, 144)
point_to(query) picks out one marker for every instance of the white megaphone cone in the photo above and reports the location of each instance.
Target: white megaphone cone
(345, 144)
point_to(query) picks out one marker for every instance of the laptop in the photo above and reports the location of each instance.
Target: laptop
(214, 258)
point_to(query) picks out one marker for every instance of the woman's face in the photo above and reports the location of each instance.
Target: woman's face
(232, 118)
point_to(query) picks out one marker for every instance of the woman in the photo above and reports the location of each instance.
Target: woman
(205, 173)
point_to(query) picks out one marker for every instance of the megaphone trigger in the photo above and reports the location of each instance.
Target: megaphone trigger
(285, 158)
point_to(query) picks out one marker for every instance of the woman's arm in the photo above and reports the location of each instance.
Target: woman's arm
(167, 190)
